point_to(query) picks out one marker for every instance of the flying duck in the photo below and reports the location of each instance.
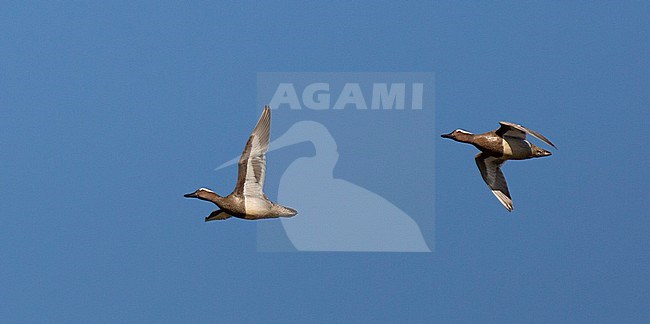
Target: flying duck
(247, 201)
(508, 142)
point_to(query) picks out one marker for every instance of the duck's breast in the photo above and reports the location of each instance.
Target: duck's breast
(488, 143)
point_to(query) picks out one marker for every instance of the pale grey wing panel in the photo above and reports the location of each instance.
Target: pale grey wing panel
(490, 168)
(540, 137)
(260, 144)
(515, 130)
(252, 163)
(242, 167)
(512, 130)
(217, 215)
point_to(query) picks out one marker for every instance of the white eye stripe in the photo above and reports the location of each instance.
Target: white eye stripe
(462, 131)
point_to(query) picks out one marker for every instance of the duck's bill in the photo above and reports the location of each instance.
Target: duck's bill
(446, 135)
(190, 195)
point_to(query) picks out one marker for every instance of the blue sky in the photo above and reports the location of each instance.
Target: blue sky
(109, 112)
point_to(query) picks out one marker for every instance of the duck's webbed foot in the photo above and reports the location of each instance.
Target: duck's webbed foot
(217, 215)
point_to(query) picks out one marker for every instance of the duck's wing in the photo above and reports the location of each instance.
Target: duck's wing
(490, 168)
(217, 215)
(518, 131)
(252, 163)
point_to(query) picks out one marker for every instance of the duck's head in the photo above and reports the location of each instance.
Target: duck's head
(459, 135)
(201, 193)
